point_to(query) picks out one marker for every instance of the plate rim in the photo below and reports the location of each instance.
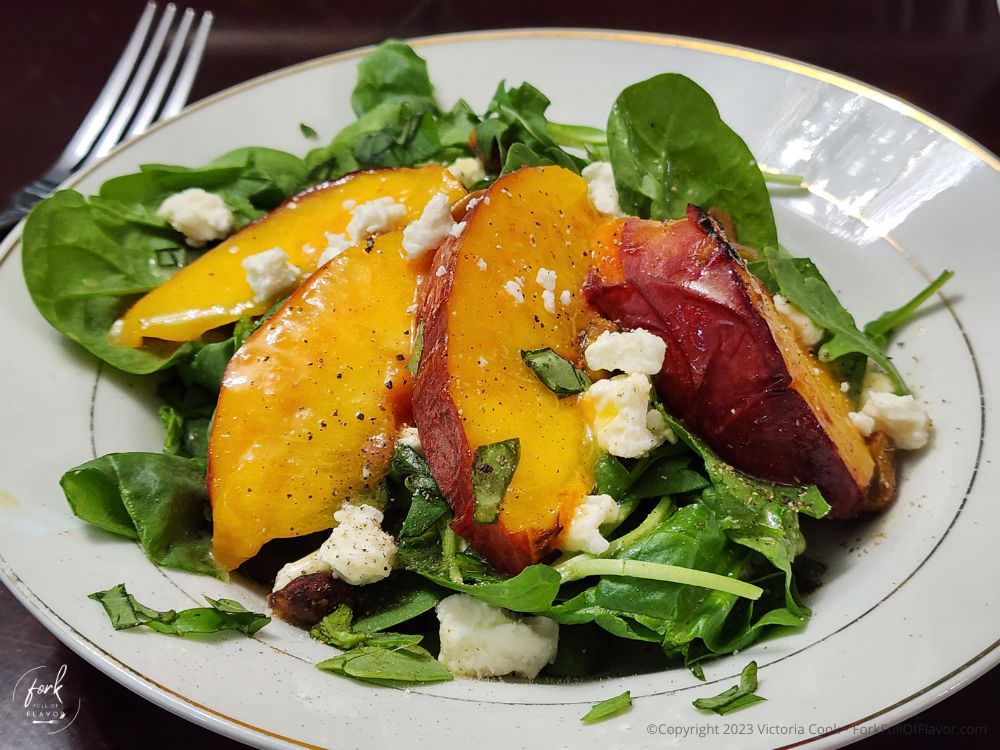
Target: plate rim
(234, 728)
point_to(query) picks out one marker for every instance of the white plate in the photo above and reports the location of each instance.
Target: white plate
(908, 613)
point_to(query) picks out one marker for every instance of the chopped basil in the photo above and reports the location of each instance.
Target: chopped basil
(335, 630)
(222, 614)
(606, 709)
(417, 351)
(492, 471)
(407, 665)
(736, 697)
(556, 373)
(308, 131)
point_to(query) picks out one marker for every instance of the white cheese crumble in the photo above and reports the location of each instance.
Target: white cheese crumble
(309, 564)
(197, 214)
(479, 640)
(429, 231)
(468, 170)
(410, 437)
(358, 550)
(845, 387)
(441, 271)
(349, 204)
(457, 229)
(378, 215)
(584, 531)
(546, 279)
(618, 412)
(902, 418)
(514, 289)
(565, 297)
(601, 188)
(269, 274)
(549, 301)
(335, 245)
(481, 264)
(635, 352)
(808, 333)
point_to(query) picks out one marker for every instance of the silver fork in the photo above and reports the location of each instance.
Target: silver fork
(128, 103)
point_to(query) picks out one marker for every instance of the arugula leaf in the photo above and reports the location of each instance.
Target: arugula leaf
(492, 470)
(880, 328)
(514, 131)
(608, 708)
(126, 612)
(409, 665)
(158, 499)
(308, 131)
(556, 373)
(669, 147)
(736, 697)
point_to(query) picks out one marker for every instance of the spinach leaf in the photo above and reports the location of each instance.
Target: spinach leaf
(409, 665)
(736, 697)
(532, 590)
(608, 708)
(668, 476)
(222, 614)
(396, 600)
(669, 147)
(880, 328)
(800, 281)
(492, 470)
(392, 72)
(158, 499)
(556, 373)
(611, 476)
(173, 425)
(514, 131)
(335, 630)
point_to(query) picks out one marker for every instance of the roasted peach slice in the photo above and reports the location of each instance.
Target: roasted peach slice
(310, 403)
(734, 370)
(510, 282)
(213, 290)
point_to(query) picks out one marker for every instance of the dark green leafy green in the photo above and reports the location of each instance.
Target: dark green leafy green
(880, 328)
(173, 427)
(308, 131)
(408, 665)
(556, 373)
(400, 598)
(417, 350)
(611, 476)
(668, 476)
(335, 630)
(222, 614)
(156, 498)
(736, 697)
(393, 72)
(608, 708)
(492, 469)
(532, 590)
(669, 147)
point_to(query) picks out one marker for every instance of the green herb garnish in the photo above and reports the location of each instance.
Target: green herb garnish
(556, 372)
(492, 470)
(736, 697)
(607, 709)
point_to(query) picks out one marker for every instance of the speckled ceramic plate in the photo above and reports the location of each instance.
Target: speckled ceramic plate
(908, 611)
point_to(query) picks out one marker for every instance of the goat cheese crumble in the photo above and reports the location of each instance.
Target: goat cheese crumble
(467, 170)
(410, 437)
(335, 245)
(269, 274)
(430, 230)
(618, 410)
(479, 640)
(583, 534)
(637, 352)
(601, 188)
(515, 290)
(902, 418)
(808, 333)
(197, 214)
(378, 215)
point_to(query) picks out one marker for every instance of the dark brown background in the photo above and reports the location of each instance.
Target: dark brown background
(943, 55)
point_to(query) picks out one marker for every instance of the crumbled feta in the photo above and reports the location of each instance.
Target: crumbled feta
(441, 271)
(481, 264)
(514, 289)
(584, 531)
(903, 418)
(309, 564)
(658, 426)
(335, 245)
(378, 215)
(618, 410)
(549, 301)
(456, 231)
(864, 424)
(601, 188)
(479, 640)
(808, 333)
(197, 214)
(635, 352)
(358, 550)
(565, 297)
(429, 231)
(546, 279)
(270, 274)
(410, 437)
(468, 170)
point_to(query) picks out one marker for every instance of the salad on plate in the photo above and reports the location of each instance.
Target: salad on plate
(479, 394)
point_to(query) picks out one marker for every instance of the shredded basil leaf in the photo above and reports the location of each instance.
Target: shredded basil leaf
(417, 351)
(492, 470)
(308, 131)
(556, 372)
(407, 665)
(736, 697)
(608, 708)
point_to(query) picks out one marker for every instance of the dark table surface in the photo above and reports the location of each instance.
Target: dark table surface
(942, 55)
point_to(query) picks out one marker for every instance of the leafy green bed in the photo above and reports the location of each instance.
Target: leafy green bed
(702, 559)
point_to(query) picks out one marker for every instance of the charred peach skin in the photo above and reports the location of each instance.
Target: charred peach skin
(310, 403)
(473, 388)
(213, 290)
(734, 371)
